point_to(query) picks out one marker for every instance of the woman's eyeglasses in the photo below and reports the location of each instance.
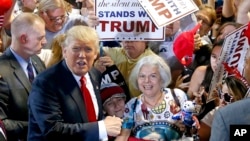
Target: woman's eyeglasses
(59, 18)
(226, 97)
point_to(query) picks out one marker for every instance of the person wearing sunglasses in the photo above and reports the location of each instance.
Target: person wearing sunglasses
(235, 113)
(226, 98)
(232, 89)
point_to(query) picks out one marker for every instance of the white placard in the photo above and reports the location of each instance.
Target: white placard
(125, 20)
(233, 53)
(164, 12)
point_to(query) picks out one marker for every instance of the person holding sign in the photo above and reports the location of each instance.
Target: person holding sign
(205, 72)
(207, 16)
(113, 99)
(57, 19)
(125, 58)
(201, 79)
(233, 114)
(232, 90)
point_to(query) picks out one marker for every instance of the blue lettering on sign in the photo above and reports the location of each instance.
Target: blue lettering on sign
(116, 14)
(142, 14)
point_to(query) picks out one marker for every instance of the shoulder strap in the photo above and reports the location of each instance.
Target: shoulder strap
(134, 108)
(175, 98)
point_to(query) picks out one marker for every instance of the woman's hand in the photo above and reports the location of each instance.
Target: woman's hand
(179, 82)
(198, 96)
(197, 41)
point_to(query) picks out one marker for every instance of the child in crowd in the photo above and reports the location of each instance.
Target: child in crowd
(113, 99)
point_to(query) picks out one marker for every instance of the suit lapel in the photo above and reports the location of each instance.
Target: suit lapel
(77, 96)
(76, 93)
(74, 90)
(96, 85)
(38, 64)
(18, 71)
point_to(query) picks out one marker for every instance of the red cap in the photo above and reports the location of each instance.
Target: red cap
(5, 5)
(111, 90)
(184, 44)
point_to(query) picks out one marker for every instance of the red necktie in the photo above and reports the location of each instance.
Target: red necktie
(88, 100)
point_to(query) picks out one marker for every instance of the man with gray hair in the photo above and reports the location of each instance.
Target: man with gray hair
(65, 102)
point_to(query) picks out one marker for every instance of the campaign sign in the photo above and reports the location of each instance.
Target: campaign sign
(125, 20)
(233, 53)
(164, 12)
(113, 75)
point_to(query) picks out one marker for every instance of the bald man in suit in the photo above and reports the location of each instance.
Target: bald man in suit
(28, 37)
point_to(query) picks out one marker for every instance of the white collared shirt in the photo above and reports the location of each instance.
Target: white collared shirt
(102, 129)
(91, 90)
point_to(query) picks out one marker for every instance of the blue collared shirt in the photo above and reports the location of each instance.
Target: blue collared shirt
(23, 63)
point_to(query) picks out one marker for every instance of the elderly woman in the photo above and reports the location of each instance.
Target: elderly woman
(149, 116)
(125, 58)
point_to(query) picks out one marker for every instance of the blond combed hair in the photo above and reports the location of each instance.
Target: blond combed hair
(45, 5)
(82, 33)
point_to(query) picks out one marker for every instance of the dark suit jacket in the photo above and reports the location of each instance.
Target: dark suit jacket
(14, 91)
(56, 107)
(2, 132)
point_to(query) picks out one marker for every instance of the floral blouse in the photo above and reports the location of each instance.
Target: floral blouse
(156, 123)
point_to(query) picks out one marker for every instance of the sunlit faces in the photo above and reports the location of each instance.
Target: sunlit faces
(134, 49)
(214, 58)
(172, 28)
(149, 80)
(80, 56)
(115, 106)
(55, 19)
